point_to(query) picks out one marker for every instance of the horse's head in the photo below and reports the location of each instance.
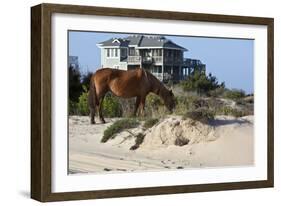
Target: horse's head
(169, 99)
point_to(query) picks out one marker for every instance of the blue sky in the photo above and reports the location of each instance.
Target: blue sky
(230, 60)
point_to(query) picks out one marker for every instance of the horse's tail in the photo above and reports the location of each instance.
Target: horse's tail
(92, 96)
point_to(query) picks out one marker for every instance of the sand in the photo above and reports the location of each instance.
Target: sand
(226, 141)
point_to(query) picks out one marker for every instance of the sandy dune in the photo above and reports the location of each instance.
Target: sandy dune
(227, 141)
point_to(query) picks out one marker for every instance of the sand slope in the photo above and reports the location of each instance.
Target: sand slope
(226, 141)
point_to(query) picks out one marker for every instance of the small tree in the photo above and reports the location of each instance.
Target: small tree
(82, 105)
(201, 83)
(75, 87)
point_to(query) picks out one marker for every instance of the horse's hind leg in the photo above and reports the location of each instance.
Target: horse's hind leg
(92, 105)
(92, 113)
(100, 110)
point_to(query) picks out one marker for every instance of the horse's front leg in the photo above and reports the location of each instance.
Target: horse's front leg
(142, 105)
(100, 110)
(136, 106)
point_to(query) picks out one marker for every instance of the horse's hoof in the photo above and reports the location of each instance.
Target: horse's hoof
(102, 121)
(93, 122)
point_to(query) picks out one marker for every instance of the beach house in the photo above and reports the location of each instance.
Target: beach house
(157, 54)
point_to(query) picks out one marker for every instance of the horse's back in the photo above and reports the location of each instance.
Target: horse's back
(125, 75)
(102, 75)
(122, 83)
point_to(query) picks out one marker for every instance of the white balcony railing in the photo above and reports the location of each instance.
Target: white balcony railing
(147, 60)
(134, 59)
(153, 59)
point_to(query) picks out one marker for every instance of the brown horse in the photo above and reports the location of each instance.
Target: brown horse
(127, 84)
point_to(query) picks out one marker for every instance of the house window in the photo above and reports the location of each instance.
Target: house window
(112, 52)
(157, 52)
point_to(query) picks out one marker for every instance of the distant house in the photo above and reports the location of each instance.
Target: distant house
(157, 54)
(73, 62)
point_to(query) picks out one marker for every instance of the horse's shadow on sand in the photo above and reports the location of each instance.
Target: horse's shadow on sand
(222, 122)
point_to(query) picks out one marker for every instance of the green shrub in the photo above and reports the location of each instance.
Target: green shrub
(218, 92)
(117, 127)
(201, 83)
(249, 99)
(82, 105)
(127, 106)
(154, 101)
(72, 108)
(196, 103)
(150, 122)
(202, 114)
(182, 105)
(215, 103)
(241, 102)
(154, 106)
(111, 106)
(74, 86)
(234, 94)
(226, 110)
(189, 103)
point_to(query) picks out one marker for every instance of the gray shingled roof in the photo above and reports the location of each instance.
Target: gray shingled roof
(134, 40)
(111, 42)
(143, 41)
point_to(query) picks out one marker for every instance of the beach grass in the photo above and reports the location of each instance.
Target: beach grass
(117, 127)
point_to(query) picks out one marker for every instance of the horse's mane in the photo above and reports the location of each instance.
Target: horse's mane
(148, 73)
(157, 83)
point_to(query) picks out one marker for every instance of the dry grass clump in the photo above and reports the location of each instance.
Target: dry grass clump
(138, 141)
(117, 127)
(150, 122)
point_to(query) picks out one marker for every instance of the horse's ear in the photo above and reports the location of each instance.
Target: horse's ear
(171, 92)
